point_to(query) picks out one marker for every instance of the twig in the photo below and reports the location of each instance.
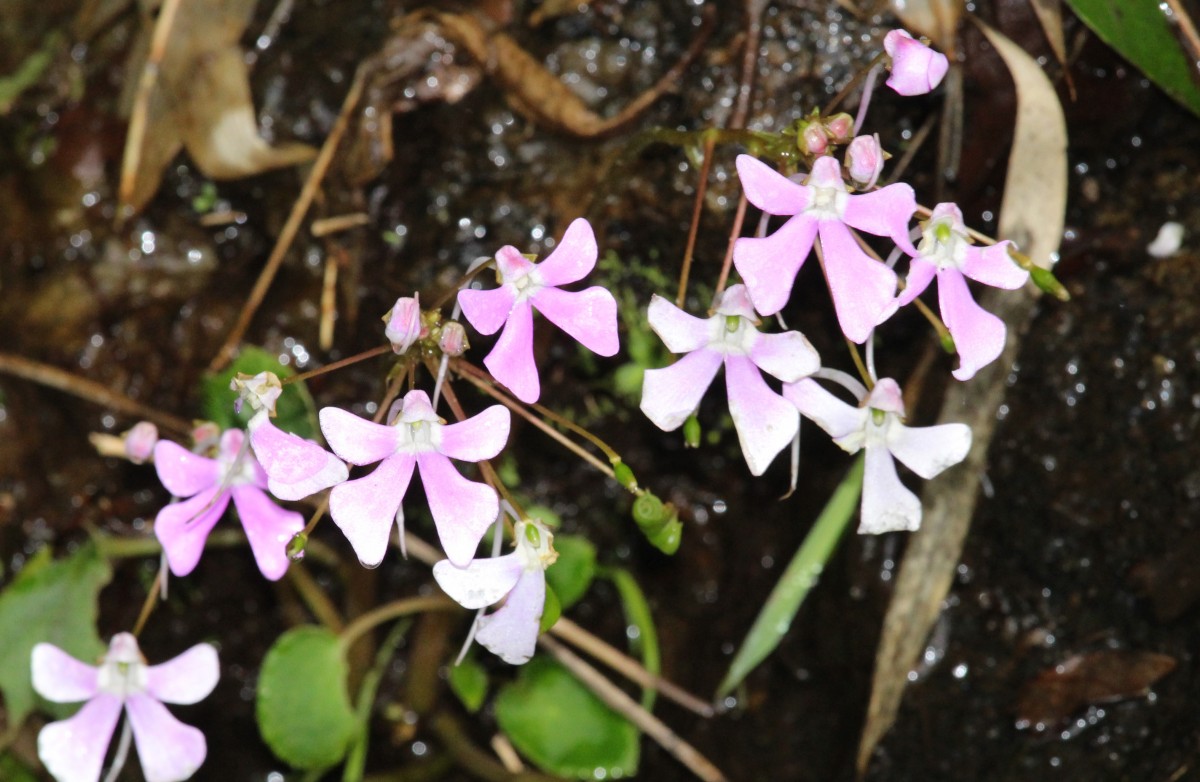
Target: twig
(734, 233)
(53, 377)
(616, 699)
(151, 602)
(710, 144)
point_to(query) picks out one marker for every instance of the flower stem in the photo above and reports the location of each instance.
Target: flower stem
(393, 610)
(701, 188)
(736, 231)
(150, 603)
(345, 362)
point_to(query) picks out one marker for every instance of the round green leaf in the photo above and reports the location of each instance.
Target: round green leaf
(469, 681)
(573, 571)
(304, 713)
(561, 726)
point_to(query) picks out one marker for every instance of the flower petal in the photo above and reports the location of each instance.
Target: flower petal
(73, 749)
(481, 583)
(268, 528)
(512, 632)
(679, 331)
(920, 274)
(769, 190)
(462, 510)
(769, 265)
(511, 264)
(479, 437)
(183, 472)
(992, 266)
(355, 439)
(169, 750)
(511, 360)
(788, 356)
(590, 316)
(885, 212)
(671, 394)
(765, 421)
(186, 678)
(365, 509)
(978, 334)
(573, 258)
(839, 420)
(183, 527)
(887, 506)
(295, 467)
(863, 289)
(487, 310)
(59, 677)
(927, 450)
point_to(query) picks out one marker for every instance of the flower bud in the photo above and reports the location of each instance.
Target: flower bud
(864, 159)
(261, 391)
(404, 323)
(624, 475)
(840, 127)
(813, 139)
(205, 435)
(453, 339)
(916, 69)
(139, 442)
(691, 431)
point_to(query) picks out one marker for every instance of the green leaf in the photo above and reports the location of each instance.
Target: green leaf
(551, 610)
(469, 681)
(1140, 32)
(801, 575)
(297, 413)
(303, 710)
(12, 770)
(637, 613)
(561, 726)
(51, 601)
(573, 571)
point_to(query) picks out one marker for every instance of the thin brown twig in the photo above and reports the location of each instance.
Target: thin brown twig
(292, 226)
(53, 377)
(685, 272)
(1188, 31)
(151, 602)
(734, 233)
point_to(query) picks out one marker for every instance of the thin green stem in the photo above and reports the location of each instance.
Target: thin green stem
(389, 611)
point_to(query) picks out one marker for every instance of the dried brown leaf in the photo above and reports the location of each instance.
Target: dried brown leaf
(1082, 680)
(935, 19)
(1049, 14)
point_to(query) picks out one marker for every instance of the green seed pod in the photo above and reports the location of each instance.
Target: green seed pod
(667, 539)
(948, 343)
(648, 511)
(624, 475)
(691, 431)
(296, 546)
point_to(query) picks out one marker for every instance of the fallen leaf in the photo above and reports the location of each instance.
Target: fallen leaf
(1171, 583)
(1082, 680)
(935, 19)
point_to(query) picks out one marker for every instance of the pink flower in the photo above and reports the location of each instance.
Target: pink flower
(207, 484)
(864, 160)
(365, 508)
(73, 749)
(404, 325)
(887, 505)
(295, 467)
(945, 250)
(512, 631)
(590, 316)
(765, 423)
(916, 69)
(863, 290)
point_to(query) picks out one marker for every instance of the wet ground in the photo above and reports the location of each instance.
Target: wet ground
(1081, 545)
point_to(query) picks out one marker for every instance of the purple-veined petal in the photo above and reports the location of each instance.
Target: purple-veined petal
(479, 437)
(978, 334)
(268, 528)
(863, 289)
(671, 394)
(885, 212)
(59, 677)
(295, 467)
(462, 510)
(183, 527)
(765, 421)
(481, 583)
(769, 190)
(511, 633)
(589, 316)
(511, 360)
(837, 418)
(183, 472)
(169, 750)
(679, 331)
(487, 310)
(887, 506)
(573, 258)
(992, 266)
(186, 678)
(788, 356)
(920, 274)
(365, 509)
(927, 450)
(769, 265)
(73, 749)
(355, 439)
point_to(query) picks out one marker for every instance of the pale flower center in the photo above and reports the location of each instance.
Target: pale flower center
(942, 246)
(732, 335)
(828, 203)
(122, 679)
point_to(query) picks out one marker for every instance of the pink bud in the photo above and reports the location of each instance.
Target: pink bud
(813, 139)
(404, 323)
(205, 435)
(840, 127)
(453, 340)
(916, 69)
(864, 158)
(139, 441)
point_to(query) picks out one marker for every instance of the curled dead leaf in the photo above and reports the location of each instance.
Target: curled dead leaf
(1082, 680)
